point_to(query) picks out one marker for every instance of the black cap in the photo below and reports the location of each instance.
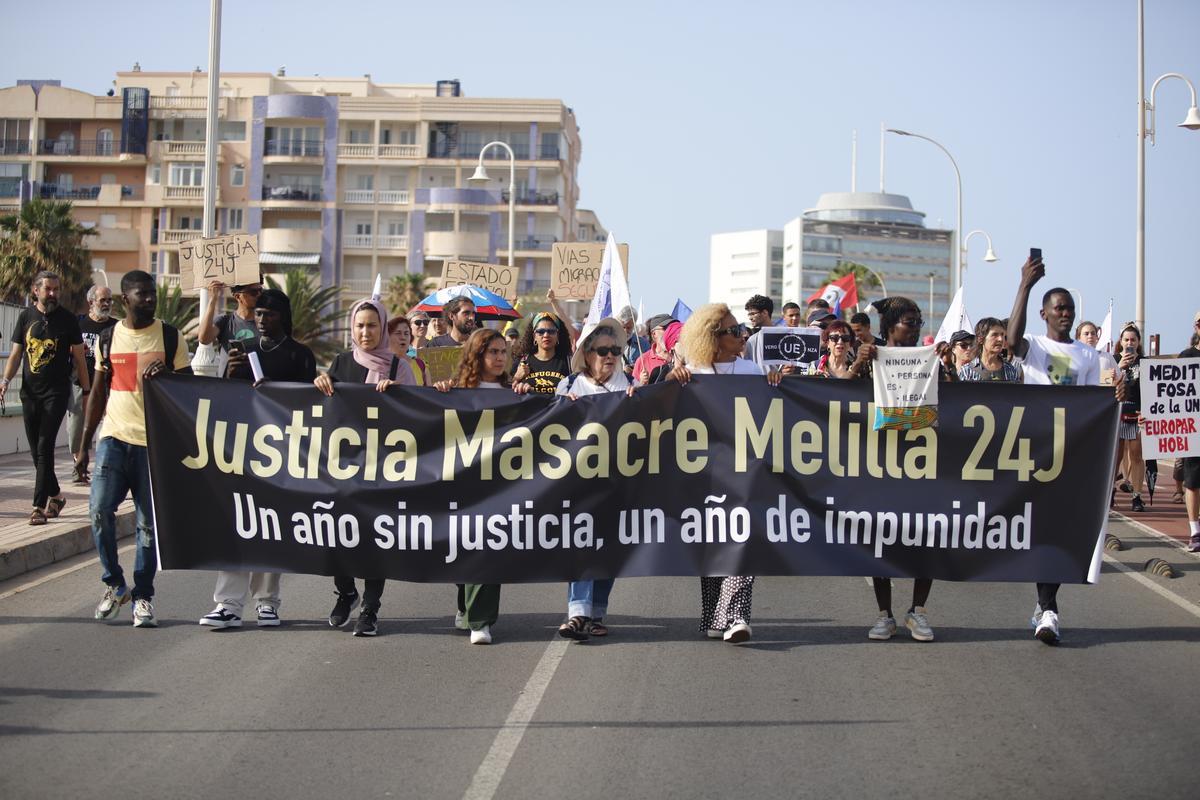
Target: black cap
(961, 336)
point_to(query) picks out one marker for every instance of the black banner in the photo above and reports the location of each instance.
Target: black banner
(724, 476)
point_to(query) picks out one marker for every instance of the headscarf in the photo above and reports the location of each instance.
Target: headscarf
(671, 335)
(379, 360)
(276, 300)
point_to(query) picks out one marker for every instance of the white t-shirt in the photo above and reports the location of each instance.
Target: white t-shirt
(583, 386)
(739, 366)
(1052, 363)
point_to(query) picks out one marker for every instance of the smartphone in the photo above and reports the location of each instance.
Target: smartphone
(236, 349)
(1035, 253)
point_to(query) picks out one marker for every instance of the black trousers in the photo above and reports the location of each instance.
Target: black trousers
(43, 418)
(1048, 596)
(372, 590)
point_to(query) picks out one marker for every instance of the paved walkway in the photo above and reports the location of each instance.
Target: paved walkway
(24, 547)
(1162, 514)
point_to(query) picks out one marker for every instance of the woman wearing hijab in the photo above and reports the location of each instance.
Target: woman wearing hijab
(482, 366)
(710, 343)
(542, 356)
(595, 369)
(369, 360)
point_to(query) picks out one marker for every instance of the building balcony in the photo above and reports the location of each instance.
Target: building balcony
(394, 197)
(533, 198)
(167, 280)
(357, 287)
(456, 243)
(347, 150)
(392, 242)
(358, 241)
(85, 148)
(108, 194)
(529, 243)
(14, 147)
(400, 151)
(172, 150)
(108, 239)
(191, 194)
(180, 106)
(289, 240)
(294, 149)
(291, 194)
(171, 237)
(358, 196)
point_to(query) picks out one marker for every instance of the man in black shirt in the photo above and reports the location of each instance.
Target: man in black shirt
(459, 313)
(282, 358)
(47, 339)
(98, 319)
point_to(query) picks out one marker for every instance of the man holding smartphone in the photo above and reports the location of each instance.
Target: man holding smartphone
(1052, 359)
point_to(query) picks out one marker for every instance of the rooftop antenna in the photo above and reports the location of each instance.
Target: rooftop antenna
(882, 140)
(854, 160)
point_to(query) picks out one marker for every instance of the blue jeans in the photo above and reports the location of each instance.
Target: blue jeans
(588, 598)
(120, 469)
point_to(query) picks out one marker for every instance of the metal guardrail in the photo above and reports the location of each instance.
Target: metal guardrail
(83, 147)
(56, 192)
(295, 193)
(14, 147)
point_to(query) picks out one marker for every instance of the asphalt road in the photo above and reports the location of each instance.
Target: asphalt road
(809, 708)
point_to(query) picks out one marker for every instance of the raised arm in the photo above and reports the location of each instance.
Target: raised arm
(562, 314)
(1032, 272)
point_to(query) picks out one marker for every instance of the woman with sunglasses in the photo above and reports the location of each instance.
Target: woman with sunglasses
(710, 343)
(482, 366)
(596, 368)
(543, 356)
(841, 360)
(420, 328)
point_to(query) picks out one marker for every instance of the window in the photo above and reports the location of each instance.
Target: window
(364, 181)
(237, 175)
(236, 220)
(186, 173)
(155, 175)
(360, 136)
(298, 224)
(154, 262)
(108, 179)
(362, 229)
(104, 142)
(293, 141)
(231, 132)
(395, 227)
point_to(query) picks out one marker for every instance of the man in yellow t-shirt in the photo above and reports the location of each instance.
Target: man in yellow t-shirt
(135, 354)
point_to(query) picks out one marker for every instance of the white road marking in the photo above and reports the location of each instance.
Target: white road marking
(1162, 591)
(491, 771)
(1178, 545)
(91, 562)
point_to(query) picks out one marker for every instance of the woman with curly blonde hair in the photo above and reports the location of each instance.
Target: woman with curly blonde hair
(711, 344)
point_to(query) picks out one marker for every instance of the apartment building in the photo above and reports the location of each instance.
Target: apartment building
(344, 176)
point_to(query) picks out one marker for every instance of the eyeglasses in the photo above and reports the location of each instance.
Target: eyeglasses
(735, 330)
(545, 332)
(964, 343)
(420, 323)
(841, 337)
(606, 351)
(912, 322)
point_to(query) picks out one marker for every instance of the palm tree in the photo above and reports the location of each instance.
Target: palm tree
(405, 291)
(317, 316)
(44, 236)
(864, 277)
(180, 312)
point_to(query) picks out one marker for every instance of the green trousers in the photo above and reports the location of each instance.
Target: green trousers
(480, 602)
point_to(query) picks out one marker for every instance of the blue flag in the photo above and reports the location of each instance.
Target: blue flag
(681, 312)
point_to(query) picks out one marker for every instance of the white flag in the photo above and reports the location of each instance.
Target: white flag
(956, 319)
(1104, 335)
(612, 290)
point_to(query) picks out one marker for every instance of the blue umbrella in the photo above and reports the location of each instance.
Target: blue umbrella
(488, 305)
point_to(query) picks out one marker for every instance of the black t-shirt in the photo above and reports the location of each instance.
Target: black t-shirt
(286, 361)
(91, 331)
(345, 369)
(47, 339)
(1191, 352)
(445, 340)
(544, 376)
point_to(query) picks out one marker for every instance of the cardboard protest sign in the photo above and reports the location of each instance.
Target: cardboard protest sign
(906, 388)
(1170, 391)
(775, 347)
(575, 268)
(232, 260)
(493, 277)
(441, 363)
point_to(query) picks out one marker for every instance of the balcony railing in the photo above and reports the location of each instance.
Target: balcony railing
(358, 241)
(292, 193)
(296, 148)
(394, 242)
(530, 243)
(85, 147)
(395, 197)
(55, 192)
(183, 192)
(14, 147)
(399, 151)
(549, 152)
(358, 196)
(167, 280)
(532, 198)
(174, 148)
(356, 150)
(10, 188)
(177, 235)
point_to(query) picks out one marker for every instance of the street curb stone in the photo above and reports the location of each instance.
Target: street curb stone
(57, 546)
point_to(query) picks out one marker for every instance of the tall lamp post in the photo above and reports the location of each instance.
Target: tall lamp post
(1191, 122)
(481, 176)
(958, 228)
(989, 256)
(932, 275)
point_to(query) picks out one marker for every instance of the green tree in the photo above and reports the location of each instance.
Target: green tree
(317, 316)
(44, 235)
(179, 311)
(405, 291)
(864, 277)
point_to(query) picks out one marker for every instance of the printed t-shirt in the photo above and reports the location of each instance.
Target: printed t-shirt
(91, 331)
(545, 376)
(1051, 363)
(232, 328)
(132, 351)
(47, 341)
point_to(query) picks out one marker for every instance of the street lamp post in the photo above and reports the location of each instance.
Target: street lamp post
(989, 256)
(932, 275)
(481, 176)
(1191, 122)
(958, 228)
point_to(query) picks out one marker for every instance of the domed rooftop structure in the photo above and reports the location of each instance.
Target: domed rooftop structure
(895, 209)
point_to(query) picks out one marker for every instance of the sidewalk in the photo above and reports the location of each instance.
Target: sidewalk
(25, 547)
(1163, 515)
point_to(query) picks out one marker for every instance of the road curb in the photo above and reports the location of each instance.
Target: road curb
(57, 546)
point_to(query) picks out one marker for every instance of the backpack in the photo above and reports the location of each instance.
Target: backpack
(170, 345)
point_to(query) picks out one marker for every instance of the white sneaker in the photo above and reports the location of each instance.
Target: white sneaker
(268, 615)
(221, 618)
(460, 621)
(1047, 628)
(714, 633)
(738, 633)
(883, 629)
(918, 624)
(143, 614)
(482, 636)
(111, 602)
(1037, 616)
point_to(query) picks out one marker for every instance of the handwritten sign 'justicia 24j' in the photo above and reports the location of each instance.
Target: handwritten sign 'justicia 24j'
(1170, 407)
(232, 260)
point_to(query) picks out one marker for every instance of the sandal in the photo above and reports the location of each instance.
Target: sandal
(55, 506)
(597, 628)
(82, 478)
(1177, 497)
(38, 517)
(575, 628)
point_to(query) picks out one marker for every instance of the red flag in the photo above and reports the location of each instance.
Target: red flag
(842, 293)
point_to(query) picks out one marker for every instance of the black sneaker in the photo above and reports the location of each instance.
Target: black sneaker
(367, 623)
(346, 603)
(1136, 504)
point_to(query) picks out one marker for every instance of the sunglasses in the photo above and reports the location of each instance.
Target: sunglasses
(964, 343)
(912, 322)
(736, 330)
(840, 337)
(546, 332)
(420, 323)
(252, 291)
(606, 351)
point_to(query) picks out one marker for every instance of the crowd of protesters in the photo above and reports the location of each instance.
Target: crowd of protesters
(96, 367)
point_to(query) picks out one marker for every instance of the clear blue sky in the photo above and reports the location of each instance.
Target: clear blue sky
(703, 117)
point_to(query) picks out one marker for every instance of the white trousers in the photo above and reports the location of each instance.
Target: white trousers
(233, 587)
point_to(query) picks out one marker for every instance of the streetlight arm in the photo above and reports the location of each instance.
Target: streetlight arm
(512, 193)
(1151, 107)
(958, 178)
(967, 238)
